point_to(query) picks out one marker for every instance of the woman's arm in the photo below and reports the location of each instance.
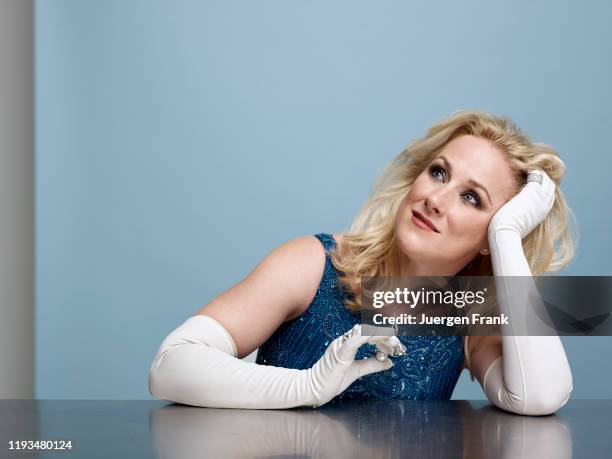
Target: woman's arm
(522, 374)
(280, 288)
(196, 364)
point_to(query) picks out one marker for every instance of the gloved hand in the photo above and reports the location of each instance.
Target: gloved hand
(196, 365)
(528, 208)
(337, 369)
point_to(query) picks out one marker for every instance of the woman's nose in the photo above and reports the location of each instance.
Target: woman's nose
(435, 202)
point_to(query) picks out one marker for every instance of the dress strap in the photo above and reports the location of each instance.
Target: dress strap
(327, 240)
(331, 274)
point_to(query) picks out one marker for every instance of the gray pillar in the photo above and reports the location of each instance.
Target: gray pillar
(16, 199)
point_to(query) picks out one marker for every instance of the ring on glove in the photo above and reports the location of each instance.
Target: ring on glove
(535, 177)
(398, 351)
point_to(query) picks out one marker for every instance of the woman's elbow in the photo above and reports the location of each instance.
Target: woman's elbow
(178, 375)
(552, 397)
(547, 402)
(156, 381)
(545, 406)
(538, 401)
(167, 374)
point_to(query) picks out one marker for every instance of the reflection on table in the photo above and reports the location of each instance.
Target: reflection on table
(359, 429)
(389, 429)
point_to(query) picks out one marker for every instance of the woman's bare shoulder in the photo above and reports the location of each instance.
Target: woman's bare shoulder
(281, 285)
(313, 270)
(309, 263)
(312, 267)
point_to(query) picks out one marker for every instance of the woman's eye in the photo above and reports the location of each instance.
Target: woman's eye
(470, 197)
(475, 200)
(437, 171)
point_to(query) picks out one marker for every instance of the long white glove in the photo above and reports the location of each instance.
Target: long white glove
(196, 365)
(533, 377)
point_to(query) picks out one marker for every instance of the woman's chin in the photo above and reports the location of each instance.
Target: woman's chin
(411, 245)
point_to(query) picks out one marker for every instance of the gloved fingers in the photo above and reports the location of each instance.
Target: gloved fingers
(548, 189)
(384, 339)
(350, 342)
(543, 184)
(388, 344)
(364, 367)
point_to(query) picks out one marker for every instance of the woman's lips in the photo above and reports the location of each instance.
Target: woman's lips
(422, 222)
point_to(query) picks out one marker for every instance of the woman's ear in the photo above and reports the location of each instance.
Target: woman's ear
(484, 251)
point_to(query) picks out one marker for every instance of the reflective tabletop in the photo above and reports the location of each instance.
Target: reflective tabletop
(377, 429)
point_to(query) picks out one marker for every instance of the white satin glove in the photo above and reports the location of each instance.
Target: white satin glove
(196, 365)
(337, 369)
(533, 375)
(528, 208)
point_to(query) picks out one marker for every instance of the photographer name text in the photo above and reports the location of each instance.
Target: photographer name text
(424, 319)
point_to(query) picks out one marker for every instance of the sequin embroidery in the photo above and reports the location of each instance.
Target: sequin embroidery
(429, 370)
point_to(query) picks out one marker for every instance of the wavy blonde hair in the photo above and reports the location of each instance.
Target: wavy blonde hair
(369, 248)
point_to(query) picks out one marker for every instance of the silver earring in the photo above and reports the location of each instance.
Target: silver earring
(485, 251)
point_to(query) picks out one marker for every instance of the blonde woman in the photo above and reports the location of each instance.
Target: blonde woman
(473, 197)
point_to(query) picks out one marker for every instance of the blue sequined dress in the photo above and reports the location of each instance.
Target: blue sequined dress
(429, 370)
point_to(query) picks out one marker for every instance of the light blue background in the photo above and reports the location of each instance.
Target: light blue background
(177, 142)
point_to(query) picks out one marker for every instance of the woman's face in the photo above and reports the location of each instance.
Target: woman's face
(459, 192)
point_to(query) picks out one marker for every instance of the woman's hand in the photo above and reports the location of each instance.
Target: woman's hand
(337, 369)
(528, 208)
